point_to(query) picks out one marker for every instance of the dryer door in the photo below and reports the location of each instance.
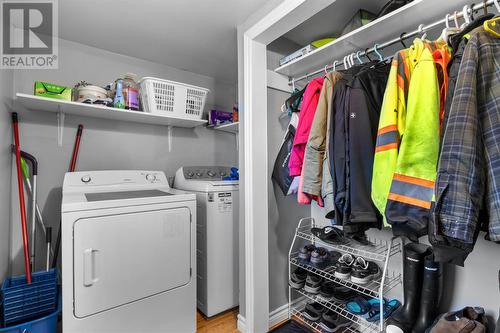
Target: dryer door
(124, 258)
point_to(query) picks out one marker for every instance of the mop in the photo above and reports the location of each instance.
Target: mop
(72, 167)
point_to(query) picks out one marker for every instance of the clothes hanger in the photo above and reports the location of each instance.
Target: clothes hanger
(455, 19)
(401, 39)
(345, 63)
(335, 65)
(351, 59)
(465, 14)
(326, 69)
(493, 25)
(447, 31)
(359, 58)
(375, 49)
(421, 31)
(367, 55)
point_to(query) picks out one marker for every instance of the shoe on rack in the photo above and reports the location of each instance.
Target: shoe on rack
(359, 237)
(343, 294)
(332, 322)
(313, 311)
(329, 235)
(313, 283)
(333, 257)
(319, 257)
(305, 253)
(343, 267)
(327, 290)
(298, 278)
(364, 271)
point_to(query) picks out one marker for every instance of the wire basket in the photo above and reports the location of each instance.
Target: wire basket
(21, 301)
(172, 98)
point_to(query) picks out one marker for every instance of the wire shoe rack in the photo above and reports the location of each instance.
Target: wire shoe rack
(377, 250)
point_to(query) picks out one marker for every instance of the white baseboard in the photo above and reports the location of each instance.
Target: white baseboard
(275, 317)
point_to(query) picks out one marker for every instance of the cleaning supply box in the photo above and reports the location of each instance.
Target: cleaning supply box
(51, 90)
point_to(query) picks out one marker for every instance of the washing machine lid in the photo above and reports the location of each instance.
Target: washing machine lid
(117, 188)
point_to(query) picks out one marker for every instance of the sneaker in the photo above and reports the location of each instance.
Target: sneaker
(313, 311)
(364, 271)
(319, 257)
(332, 322)
(298, 278)
(343, 294)
(333, 257)
(343, 267)
(313, 283)
(327, 290)
(305, 253)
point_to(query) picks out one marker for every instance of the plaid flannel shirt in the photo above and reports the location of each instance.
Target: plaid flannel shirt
(468, 177)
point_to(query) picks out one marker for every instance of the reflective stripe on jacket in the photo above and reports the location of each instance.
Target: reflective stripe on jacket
(407, 146)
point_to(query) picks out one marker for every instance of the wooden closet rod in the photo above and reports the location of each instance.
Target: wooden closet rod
(421, 30)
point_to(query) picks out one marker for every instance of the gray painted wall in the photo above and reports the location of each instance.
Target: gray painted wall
(5, 162)
(110, 144)
(284, 212)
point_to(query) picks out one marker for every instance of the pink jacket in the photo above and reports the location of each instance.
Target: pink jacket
(306, 116)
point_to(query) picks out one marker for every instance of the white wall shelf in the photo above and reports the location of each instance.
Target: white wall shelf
(406, 18)
(37, 103)
(230, 128)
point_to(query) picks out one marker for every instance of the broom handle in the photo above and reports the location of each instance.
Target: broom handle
(21, 199)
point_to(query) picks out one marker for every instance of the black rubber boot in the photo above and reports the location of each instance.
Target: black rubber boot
(403, 319)
(431, 294)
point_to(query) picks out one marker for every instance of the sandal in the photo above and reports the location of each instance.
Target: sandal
(389, 308)
(329, 235)
(358, 306)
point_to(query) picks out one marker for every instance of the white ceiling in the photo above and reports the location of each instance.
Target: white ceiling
(195, 35)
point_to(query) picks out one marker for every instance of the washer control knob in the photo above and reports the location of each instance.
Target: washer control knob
(199, 174)
(190, 174)
(211, 173)
(150, 177)
(86, 179)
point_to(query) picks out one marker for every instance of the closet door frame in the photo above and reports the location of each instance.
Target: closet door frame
(253, 37)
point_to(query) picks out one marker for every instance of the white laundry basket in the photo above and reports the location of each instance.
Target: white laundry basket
(172, 98)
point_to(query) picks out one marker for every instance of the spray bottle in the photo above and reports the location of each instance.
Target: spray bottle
(119, 101)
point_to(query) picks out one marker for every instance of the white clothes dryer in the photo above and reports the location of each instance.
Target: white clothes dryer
(128, 253)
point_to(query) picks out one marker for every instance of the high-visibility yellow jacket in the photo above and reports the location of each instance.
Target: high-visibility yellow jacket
(406, 152)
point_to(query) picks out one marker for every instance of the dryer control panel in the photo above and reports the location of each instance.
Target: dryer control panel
(206, 173)
(101, 179)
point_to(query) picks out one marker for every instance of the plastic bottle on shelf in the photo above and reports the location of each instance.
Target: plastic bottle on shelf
(131, 92)
(119, 101)
(235, 113)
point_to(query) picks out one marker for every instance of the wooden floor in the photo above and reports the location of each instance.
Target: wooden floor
(223, 323)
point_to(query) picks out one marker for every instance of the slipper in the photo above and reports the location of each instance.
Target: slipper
(389, 308)
(329, 235)
(358, 306)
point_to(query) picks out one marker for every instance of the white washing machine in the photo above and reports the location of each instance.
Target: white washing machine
(128, 254)
(217, 235)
